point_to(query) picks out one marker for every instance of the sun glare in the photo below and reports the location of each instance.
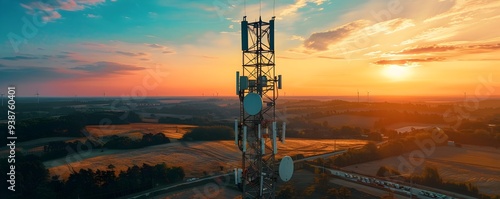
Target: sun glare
(396, 72)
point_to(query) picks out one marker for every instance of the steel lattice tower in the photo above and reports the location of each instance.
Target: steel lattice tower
(258, 132)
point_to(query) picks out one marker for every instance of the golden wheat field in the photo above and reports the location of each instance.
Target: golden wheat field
(474, 164)
(197, 158)
(174, 131)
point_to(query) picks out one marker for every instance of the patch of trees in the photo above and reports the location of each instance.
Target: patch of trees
(59, 149)
(195, 120)
(32, 180)
(46, 127)
(105, 184)
(388, 117)
(208, 108)
(320, 188)
(111, 117)
(321, 131)
(481, 137)
(121, 142)
(372, 152)
(385, 171)
(208, 133)
(430, 177)
(356, 156)
(67, 126)
(31, 177)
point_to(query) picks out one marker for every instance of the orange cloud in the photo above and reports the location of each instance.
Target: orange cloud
(321, 40)
(407, 61)
(426, 49)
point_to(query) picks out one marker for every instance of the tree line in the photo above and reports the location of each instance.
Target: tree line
(208, 133)
(32, 180)
(59, 149)
(371, 151)
(123, 142)
(195, 120)
(70, 125)
(430, 177)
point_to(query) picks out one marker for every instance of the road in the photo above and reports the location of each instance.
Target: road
(396, 187)
(367, 189)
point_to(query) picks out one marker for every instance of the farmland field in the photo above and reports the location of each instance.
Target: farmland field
(197, 158)
(348, 120)
(474, 164)
(174, 131)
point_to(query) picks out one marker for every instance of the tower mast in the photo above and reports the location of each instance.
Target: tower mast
(256, 131)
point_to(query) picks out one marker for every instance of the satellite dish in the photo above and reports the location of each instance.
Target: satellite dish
(252, 103)
(286, 168)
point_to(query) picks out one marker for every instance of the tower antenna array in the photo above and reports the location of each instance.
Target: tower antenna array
(256, 130)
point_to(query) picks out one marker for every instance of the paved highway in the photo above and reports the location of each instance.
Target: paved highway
(396, 187)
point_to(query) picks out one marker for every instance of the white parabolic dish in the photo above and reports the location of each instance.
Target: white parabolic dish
(286, 168)
(252, 103)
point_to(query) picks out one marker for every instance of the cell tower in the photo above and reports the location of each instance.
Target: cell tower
(256, 131)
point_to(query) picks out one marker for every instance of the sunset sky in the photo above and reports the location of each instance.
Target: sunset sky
(192, 48)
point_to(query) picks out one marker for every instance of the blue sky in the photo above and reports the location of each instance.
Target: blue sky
(60, 47)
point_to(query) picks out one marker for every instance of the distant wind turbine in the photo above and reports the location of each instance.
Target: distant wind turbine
(37, 97)
(358, 96)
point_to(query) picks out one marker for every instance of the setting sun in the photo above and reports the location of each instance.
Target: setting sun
(396, 72)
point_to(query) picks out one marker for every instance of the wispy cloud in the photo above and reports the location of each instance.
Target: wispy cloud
(107, 68)
(20, 57)
(155, 46)
(321, 40)
(51, 8)
(93, 16)
(130, 53)
(164, 49)
(476, 48)
(28, 74)
(296, 37)
(329, 57)
(407, 62)
(426, 49)
(34, 57)
(292, 9)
